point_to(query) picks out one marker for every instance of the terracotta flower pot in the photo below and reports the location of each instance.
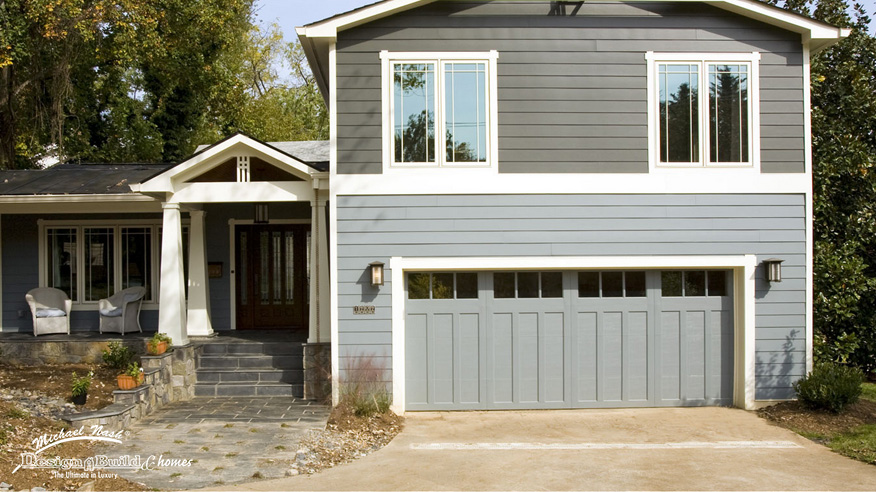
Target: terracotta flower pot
(156, 348)
(127, 382)
(80, 399)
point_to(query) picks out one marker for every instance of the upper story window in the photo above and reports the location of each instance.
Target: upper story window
(439, 109)
(704, 109)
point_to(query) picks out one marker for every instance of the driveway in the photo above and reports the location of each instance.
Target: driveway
(642, 449)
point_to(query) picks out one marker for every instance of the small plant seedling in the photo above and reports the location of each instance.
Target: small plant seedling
(204, 448)
(228, 426)
(253, 430)
(230, 455)
(177, 441)
(218, 468)
(258, 474)
(284, 425)
(174, 475)
(280, 448)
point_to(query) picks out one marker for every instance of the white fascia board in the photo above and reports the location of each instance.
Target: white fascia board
(255, 191)
(164, 183)
(448, 181)
(569, 262)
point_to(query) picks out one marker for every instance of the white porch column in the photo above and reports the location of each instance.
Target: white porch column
(320, 321)
(198, 314)
(172, 298)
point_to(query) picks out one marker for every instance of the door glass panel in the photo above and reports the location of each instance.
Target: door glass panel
(612, 284)
(503, 285)
(290, 265)
(418, 286)
(588, 284)
(694, 284)
(244, 261)
(635, 284)
(277, 260)
(137, 258)
(671, 284)
(527, 285)
(552, 284)
(62, 260)
(442, 286)
(264, 268)
(99, 257)
(717, 283)
(466, 285)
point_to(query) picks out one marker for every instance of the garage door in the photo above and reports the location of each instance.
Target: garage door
(583, 339)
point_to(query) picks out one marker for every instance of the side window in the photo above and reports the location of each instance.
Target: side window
(693, 283)
(611, 284)
(527, 285)
(703, 113)
(440, 111)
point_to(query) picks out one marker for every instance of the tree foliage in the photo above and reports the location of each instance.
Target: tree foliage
(844, 175)
(144, 80)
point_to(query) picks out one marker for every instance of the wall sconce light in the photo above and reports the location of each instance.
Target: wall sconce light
(773, 269)
(376, 273)
(261, 213)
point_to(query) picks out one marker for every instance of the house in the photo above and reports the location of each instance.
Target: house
(611, 182)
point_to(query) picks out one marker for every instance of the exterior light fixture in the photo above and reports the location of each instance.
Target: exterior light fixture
(773, 269)
(376, 273)
(261, 213)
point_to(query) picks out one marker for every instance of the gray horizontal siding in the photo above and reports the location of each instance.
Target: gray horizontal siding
(572, 90)
(379, 227)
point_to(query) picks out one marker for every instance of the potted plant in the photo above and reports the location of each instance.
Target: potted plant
(131, 378)
(158, 344)
(80, 387)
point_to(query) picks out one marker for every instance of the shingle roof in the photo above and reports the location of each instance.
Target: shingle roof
(78, 179)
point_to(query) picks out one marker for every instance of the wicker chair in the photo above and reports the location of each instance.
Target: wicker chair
(50, 308)
(120, 313)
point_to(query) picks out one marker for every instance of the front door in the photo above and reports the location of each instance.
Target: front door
(272, 277)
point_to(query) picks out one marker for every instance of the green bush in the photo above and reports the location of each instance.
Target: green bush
(117, 356)
(830, 387)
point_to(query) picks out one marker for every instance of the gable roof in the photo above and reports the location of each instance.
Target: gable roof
(317, 37)
(210, 156)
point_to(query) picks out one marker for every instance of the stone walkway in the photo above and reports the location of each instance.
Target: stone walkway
(228, 440)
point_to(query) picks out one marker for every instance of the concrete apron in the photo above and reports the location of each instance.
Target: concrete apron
(641, 449)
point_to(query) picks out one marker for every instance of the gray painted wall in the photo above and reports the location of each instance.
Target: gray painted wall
(377, 227)
(572, 90)
(20, 269)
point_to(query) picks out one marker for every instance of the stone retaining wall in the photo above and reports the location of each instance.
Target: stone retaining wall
(317, 371)
(38, 351)
(168, 377)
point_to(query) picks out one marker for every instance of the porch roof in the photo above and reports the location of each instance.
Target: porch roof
(72, 178)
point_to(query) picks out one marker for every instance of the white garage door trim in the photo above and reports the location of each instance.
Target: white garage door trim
(743, 267)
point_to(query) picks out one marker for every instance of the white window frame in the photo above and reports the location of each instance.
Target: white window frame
(440, 60)
(704, 60)
(116, 225)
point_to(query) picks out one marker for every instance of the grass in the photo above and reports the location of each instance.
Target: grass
(859, 443)
(230, 455)
(868, 391)
(174, 475)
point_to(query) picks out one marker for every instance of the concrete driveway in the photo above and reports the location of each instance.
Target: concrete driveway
(643, 449)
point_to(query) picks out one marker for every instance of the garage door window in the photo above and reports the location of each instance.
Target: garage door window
(527, 285)
(611, 284)
(443, 285)
(694, 283)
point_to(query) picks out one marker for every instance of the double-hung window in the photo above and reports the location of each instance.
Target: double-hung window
(703, 109)
(439, 109)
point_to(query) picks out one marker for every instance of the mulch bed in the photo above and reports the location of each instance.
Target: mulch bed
(795, 416)
(55, 380)
(18, 430)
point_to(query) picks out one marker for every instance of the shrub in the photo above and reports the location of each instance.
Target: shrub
(363, 387)
(80, 385)
(117, 356)
(830, 387)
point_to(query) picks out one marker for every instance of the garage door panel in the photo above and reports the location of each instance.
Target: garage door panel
(694, 364)
(611, 356)
(528, 354)
(469, 359)
(636, 356)
(417, 355)
(670, 355)
(502, 367)
(585, 363)
(441, 360)
(553, 357)
(722, 361)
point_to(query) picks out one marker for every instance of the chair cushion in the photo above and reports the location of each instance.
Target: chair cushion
(50, 313)
(111, 313)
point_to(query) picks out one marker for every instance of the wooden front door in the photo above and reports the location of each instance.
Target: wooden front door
(272, 277)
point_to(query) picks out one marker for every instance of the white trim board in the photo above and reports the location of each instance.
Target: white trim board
(743, 266)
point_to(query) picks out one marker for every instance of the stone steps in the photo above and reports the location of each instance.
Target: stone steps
(250, 368)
